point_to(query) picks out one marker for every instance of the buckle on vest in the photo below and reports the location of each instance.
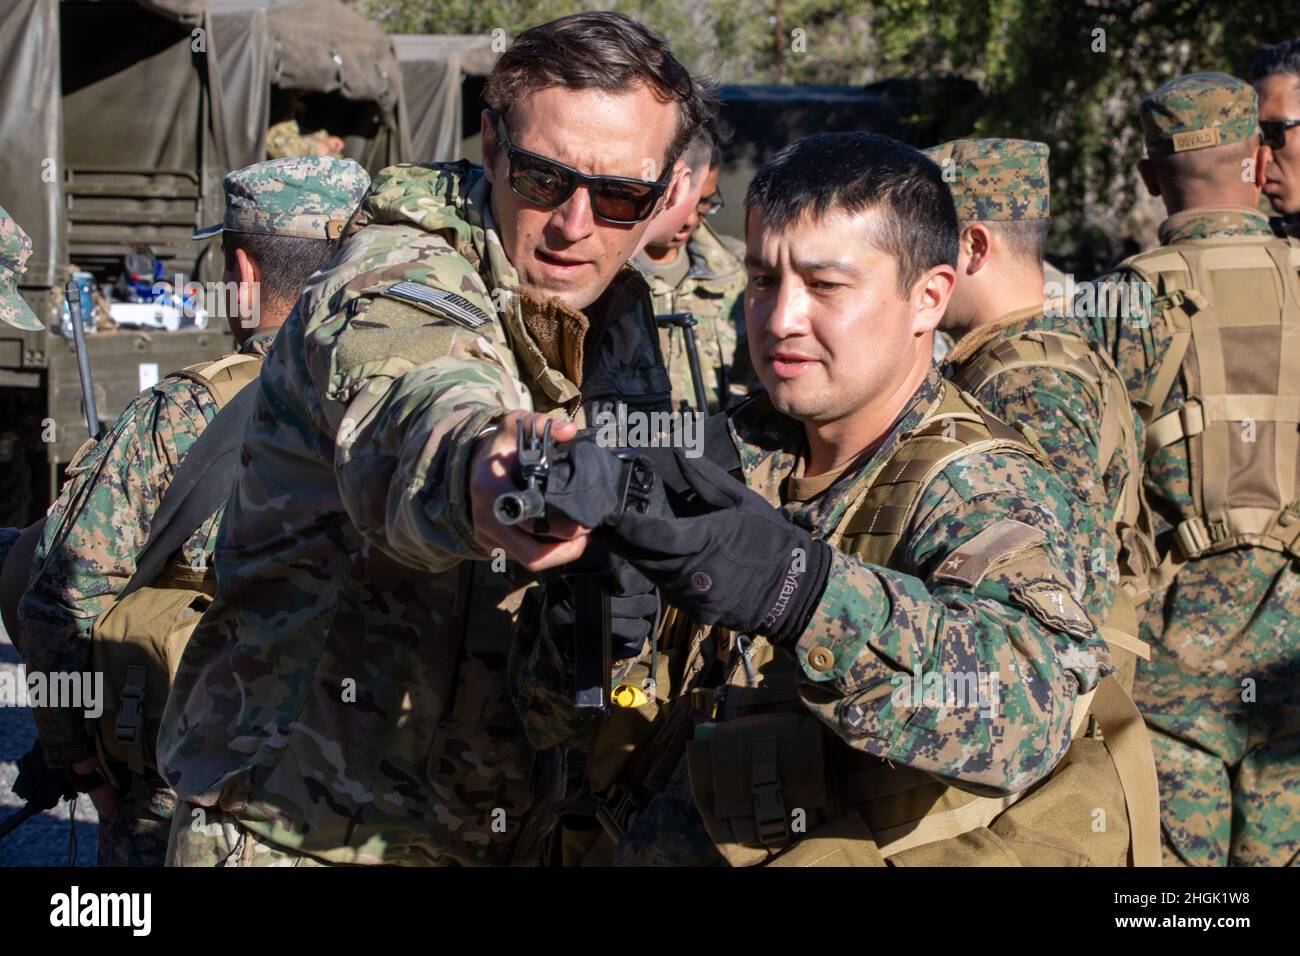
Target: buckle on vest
(616, 810)
(130, 712)
(769, 807)
(1196, 535)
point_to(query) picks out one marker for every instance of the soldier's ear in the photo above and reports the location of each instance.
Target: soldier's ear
(1146, 169)
(248, 270)
(491, 142)
(976, 241)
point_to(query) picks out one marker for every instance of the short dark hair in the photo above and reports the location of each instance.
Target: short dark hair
(1274, 60)
(605, 51)
(285, 262)
(1025, 238)
(854, 172)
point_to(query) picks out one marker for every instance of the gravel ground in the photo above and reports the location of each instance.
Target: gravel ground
(42, 841)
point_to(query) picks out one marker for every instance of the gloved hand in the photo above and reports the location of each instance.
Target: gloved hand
(583, 484)
(632, 609)
(741, 564)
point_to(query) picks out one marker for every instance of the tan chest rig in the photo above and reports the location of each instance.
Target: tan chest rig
(775, 787)
(137, 643)
(1233, 310)
(1117, 432)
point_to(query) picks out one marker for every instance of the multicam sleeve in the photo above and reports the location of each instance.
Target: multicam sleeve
(969, 669)
(407, 386)
(96, 529)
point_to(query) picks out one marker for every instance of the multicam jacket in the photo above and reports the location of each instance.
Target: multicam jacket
(96, 528)
(345, 694)
(713, 290)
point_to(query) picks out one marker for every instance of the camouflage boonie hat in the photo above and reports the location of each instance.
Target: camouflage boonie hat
(996, 179)
(15, 247)
(1199, 110)
(311, 197)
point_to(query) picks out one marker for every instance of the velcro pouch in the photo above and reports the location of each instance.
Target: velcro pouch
(759, 783)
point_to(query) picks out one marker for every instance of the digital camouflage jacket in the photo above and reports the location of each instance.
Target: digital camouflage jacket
(95, 529)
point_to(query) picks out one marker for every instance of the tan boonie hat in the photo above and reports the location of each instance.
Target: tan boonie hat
(996, 179)
(1199, 110)
(310, 197)
(15, 248)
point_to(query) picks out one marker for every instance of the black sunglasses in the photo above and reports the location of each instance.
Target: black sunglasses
(712, 204)
(1273, 132)
(548, 183)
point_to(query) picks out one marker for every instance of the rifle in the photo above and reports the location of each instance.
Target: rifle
(687, 323)
(591, 577)
(79, 305)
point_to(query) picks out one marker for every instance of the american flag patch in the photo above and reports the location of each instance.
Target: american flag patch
(440, 300)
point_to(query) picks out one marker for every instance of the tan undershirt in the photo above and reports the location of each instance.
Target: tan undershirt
(801, 490)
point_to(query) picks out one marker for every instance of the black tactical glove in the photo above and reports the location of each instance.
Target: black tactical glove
(583, 484)
(633, 604)
(741, 563)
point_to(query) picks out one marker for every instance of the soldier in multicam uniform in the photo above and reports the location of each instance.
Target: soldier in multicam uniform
(15, 249)
(1022, 356)
(896, 532)
(281, 217)
(344, 700)
(1211, 365)
(692, 268)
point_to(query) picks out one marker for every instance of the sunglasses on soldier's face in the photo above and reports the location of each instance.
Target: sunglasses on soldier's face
(1273, 132)
(547, 183)
(708, 205)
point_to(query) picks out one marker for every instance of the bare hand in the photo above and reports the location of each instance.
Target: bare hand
(493, 472)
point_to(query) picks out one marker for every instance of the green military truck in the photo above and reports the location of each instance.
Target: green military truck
(119, 120)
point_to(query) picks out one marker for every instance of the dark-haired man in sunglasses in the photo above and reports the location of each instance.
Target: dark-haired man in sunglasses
(345, 701)
(1275, 75)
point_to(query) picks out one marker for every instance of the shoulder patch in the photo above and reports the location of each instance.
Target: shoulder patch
(994, 545)
(450, 304)
(1053, 604)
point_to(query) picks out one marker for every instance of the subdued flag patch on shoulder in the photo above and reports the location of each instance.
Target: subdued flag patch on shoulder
(449, 303)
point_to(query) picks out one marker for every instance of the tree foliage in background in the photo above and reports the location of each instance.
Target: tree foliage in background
(1067, 73)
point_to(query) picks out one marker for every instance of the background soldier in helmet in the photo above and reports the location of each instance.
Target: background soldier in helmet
(1212, 367)
(281, 217)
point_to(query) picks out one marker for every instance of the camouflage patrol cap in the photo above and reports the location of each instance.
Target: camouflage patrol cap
(1199, 110)
(310, 197)
(996, 179)
(15, 247)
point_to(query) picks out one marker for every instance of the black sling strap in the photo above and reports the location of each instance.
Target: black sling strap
(201, 486)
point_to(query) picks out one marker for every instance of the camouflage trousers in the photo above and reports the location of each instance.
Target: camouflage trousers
(136, 835)
(1221, 696)
(205, 836)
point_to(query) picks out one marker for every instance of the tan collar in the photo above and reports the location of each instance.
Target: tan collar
(977, 338)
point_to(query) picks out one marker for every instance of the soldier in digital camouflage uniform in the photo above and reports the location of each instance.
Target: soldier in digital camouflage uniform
(1211, 366)
(973, 569)
(15, 249)
(283, 212)
(344, 699)
(709, 283)
(1024, 358)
